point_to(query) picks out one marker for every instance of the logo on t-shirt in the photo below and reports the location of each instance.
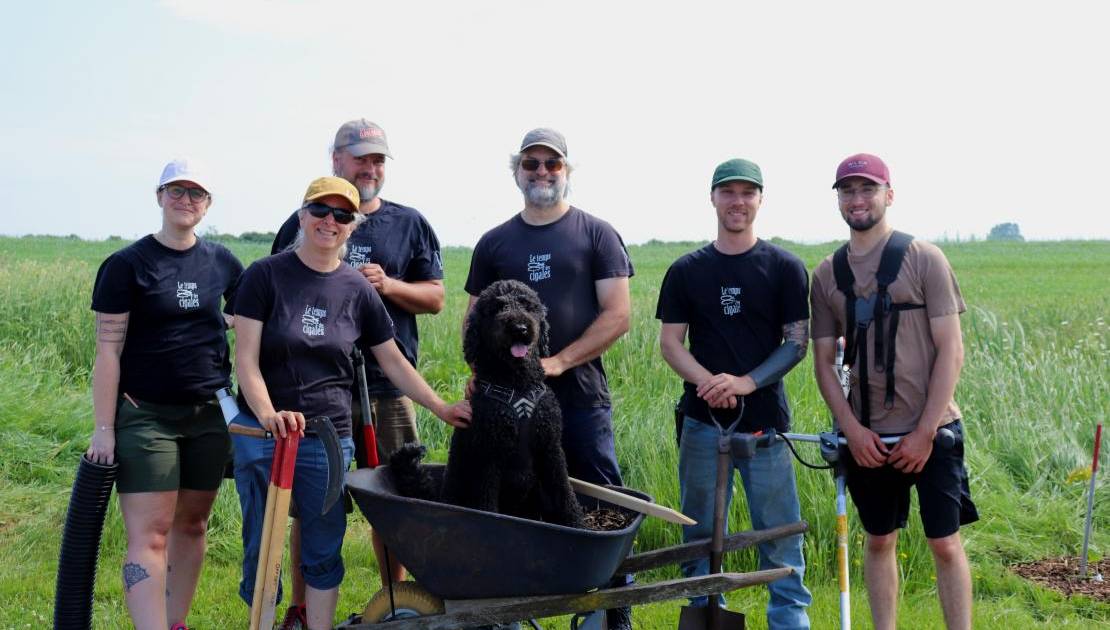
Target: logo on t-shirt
(730, 300)
(358, 255)
(313, 321)
(187, 296)
(538, 269)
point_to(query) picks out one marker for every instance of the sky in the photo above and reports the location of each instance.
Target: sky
(986, 112)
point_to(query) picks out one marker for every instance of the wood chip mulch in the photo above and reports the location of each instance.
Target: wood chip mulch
(1062, 575)
(606, 520)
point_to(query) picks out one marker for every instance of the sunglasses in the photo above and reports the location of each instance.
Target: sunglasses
(320, 211)
(553, 165)
(177, 192)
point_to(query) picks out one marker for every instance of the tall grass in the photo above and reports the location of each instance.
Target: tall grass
(1034, 384)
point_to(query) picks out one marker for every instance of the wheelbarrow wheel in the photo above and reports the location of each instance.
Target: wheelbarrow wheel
(409, 600)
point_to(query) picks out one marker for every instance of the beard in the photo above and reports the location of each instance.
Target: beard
(368, 192)
(543, 196)
(862, 225)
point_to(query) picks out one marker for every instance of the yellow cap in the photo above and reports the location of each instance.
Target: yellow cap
(324, 186)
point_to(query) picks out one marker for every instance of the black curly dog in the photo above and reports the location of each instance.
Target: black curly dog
(510, 460)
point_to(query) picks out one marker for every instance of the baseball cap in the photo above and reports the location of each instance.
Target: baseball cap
(737, 170)
(324, 186)
(184, 169)
(361, 137)
(545, 137)
(863, 165)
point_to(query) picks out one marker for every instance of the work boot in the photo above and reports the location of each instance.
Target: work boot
(619, 618)
(296, 618)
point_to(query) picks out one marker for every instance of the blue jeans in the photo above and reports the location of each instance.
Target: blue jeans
(321, 534)
(589, 445)
(768, 479)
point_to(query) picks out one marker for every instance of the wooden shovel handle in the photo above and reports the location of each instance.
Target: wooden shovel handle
(630, 502)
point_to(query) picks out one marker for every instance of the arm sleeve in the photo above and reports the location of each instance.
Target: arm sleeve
(254, 297)
(942, 292)
(822, 322)
(611, 259)
(114, 286)
(235, 273)
(375, 324)
(672, 307)
(481, 273)
(426, 263)
(794, 292)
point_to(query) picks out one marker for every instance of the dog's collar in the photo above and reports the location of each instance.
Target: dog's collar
(523, 404)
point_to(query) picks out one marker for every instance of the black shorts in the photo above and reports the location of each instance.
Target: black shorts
(882, 495)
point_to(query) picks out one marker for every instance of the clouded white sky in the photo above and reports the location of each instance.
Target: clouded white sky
(986, 112)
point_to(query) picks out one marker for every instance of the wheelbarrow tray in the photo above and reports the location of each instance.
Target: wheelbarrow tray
(462, 553)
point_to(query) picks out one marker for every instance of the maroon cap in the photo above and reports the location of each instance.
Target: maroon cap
(863, 165)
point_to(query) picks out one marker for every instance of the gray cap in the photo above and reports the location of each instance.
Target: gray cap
(545, 137)
(361, 137)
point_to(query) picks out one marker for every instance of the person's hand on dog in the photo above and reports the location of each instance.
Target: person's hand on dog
(456, 415)
(552, 367)
(283, 422)
(720, 391)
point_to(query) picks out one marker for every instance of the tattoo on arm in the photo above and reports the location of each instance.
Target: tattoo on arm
(111, 328)
(133, 574)
(798, 332)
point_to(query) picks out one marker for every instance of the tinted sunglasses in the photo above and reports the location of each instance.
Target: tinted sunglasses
(177, 192)
(320, 211)
(553, 165)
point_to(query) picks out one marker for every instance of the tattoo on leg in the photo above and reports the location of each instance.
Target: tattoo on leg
(133, 573)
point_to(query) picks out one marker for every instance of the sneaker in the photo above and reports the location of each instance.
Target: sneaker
(296, 618)
(179, 626)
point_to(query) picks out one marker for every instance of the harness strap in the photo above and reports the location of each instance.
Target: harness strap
(522, 405)
(893, 254)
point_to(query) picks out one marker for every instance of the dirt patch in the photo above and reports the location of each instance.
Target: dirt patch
(605, 519)
(1062, 575)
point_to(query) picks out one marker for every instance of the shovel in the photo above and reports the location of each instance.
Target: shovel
(712, 616)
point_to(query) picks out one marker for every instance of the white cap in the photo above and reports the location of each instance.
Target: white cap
(180, 169)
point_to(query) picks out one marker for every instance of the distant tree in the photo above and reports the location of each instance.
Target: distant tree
(1005, 232)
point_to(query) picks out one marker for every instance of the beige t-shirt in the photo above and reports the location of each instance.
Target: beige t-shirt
(925, 278)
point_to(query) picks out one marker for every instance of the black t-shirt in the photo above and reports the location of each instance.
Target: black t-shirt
(310, 323)
(735, 307)
(176, 348)
(399, 239)
(561, 261)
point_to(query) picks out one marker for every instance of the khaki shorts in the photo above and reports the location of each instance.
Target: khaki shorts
(394, 424)
(170, 447)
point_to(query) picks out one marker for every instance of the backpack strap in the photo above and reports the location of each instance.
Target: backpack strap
(890, 263)
(845, 283)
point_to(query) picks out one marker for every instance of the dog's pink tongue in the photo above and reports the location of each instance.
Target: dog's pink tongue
(519, 350)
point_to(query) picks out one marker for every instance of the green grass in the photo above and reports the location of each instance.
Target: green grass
(1034, 385)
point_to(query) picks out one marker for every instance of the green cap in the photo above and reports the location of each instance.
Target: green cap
(737, 170)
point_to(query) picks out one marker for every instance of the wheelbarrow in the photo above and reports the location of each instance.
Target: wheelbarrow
(474, 567)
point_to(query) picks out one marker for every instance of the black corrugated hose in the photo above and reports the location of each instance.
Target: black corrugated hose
(88, 504)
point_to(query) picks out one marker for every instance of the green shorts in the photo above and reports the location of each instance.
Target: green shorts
(170, 447)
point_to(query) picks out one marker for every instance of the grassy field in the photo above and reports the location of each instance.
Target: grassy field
(1034, 385)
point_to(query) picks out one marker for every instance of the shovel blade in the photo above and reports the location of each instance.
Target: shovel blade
(697, 618)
